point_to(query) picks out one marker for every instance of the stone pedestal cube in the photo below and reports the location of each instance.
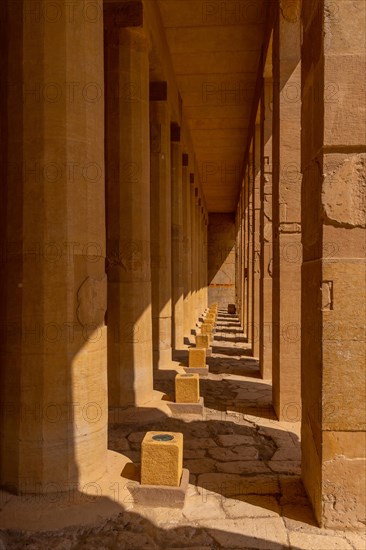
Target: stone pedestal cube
(162, 459)
(197, 358)
(187, 388)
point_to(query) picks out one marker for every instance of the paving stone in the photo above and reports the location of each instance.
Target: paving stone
(193, 453)
(357, 540)
(261, 534)
(235, 440)
(230, 485)
(238, 453)
(199, 443)
(253, 506)
(185, 536)
(200, 465)
(243, 467)
(195, 509)
(305, 541)
(288, 453)
(285, 467)
(157, 516)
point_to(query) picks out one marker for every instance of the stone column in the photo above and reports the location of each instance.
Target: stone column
(193, 251)
(53, 372)
(160, 199)
(130, 362)
(256, 235)
(205, 258)
(247, 218)
(242, 251)
(177, 238)
(202, 258)
(333, 270)
(286, 213)
(199, 255)
(251, 327)
(265, 330)
(238, 260)
(187, 251)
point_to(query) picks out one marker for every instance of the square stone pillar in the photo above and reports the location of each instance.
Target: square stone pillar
(130, 361)
(177, 238)
(187, 248)
(246, 253)
(265, 331)
(193, 251)
(252, 331)
(202, 258)
(53, 370)
(238, 260)
(333, 270)
(160, 199)
(256, 235)
(286, 185)
(242, 252)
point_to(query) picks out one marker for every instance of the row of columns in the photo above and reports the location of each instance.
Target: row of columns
(269, 218)
(103, 269)
(306, 154)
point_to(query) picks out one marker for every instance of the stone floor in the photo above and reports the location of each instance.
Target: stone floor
(245, 489)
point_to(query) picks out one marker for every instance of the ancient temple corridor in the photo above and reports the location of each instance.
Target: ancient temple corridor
(182, 274)
(244, 471)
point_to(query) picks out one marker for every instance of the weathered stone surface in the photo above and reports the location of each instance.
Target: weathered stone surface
(187, 388)
(306, 541)
(162, 460)
(200, 465)
(348, 210)
(231, 485)
(251, 507)
(237, 453)
(195, 509)
(197, 358)
(234, 440)
(261, 533)
(244, 467)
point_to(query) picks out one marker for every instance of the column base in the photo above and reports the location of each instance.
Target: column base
(163, 358)
(69, 507)
(188, 408)
(160, 496)
(202, 371)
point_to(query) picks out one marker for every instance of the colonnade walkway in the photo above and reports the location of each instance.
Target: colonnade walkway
(245, 489)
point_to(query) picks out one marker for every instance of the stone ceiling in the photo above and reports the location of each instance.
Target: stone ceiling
(215, 48)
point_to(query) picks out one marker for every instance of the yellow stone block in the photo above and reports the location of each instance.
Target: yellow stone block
(197, 358)
(162, 458)
(206, 328)
(210, 318)
(202, 341)
(187, 388)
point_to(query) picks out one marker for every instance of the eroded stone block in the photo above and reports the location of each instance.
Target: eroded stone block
(197, 358)
(162, 458)
(202, 341)
(187, 388)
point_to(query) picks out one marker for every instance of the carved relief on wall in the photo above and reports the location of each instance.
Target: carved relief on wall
(92, 301)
